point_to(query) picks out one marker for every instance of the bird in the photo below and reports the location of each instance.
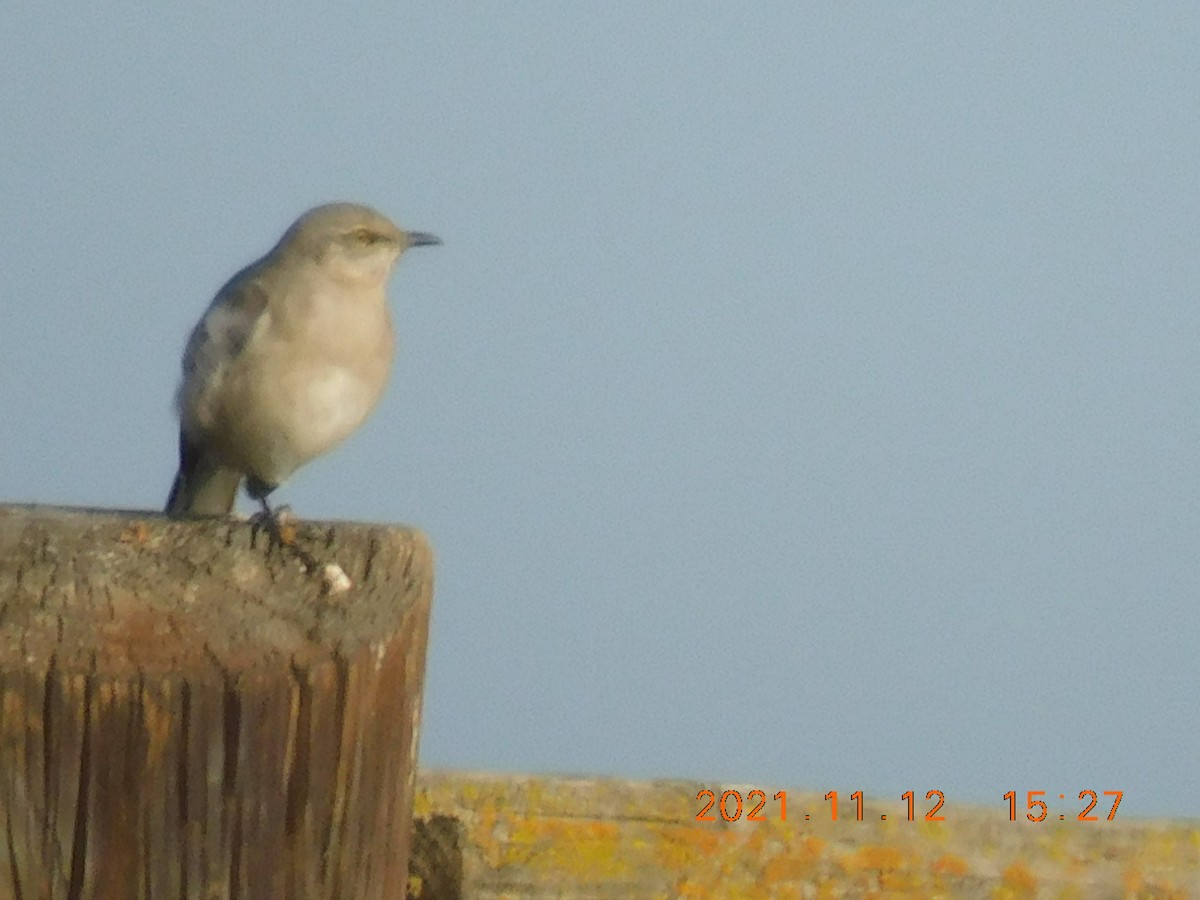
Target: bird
(289, 359)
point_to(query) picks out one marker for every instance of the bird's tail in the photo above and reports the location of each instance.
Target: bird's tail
(202, 487)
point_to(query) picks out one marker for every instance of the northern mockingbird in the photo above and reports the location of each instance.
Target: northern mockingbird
(290, 357)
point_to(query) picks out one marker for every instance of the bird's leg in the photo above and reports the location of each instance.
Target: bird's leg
(277, 522)
(270, 519)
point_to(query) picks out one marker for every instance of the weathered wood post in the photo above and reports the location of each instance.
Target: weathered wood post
(186, 712)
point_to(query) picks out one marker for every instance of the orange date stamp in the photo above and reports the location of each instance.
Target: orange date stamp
(758, 806)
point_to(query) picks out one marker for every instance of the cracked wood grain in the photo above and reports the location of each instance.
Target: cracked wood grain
(186, 712)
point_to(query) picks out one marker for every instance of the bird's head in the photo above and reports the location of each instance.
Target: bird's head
(352, 242)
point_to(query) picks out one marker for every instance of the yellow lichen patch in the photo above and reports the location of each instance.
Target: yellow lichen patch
(689, 888)
(488, 836)
(700, 887)
(1164, 850)
(756, 842)
(1162, 890)
(786, 892)
(903, 883)
(422, 805)
(535, 795)
(589, 849)
(1057, 842)
(933, 831)
(522, 840)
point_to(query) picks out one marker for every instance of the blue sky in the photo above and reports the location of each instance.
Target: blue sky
(804, 396)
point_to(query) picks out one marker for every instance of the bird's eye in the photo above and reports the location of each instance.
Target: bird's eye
(365, 236)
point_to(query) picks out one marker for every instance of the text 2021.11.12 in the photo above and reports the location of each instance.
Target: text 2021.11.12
(757, 808)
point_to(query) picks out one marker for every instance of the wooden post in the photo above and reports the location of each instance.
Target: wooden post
(186, 712)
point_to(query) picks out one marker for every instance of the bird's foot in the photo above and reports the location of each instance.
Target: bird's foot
(280, 526)
(278, 522)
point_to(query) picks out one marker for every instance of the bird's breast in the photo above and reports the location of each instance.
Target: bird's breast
(298, 389)
(329, 402)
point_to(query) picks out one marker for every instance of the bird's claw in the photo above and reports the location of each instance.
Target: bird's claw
(280, 525)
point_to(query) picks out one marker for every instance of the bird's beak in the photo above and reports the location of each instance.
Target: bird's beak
(422, 239)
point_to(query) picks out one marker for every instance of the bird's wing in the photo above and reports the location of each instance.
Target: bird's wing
(203, 487)
(236, 314)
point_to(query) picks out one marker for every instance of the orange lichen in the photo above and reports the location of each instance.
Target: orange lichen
(873, 857)
(137, 533)
(1016, 881)
(1131, 880)
(949, 864)
(817, 858)
(786, 868)
(683, 846)
(902, 883)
